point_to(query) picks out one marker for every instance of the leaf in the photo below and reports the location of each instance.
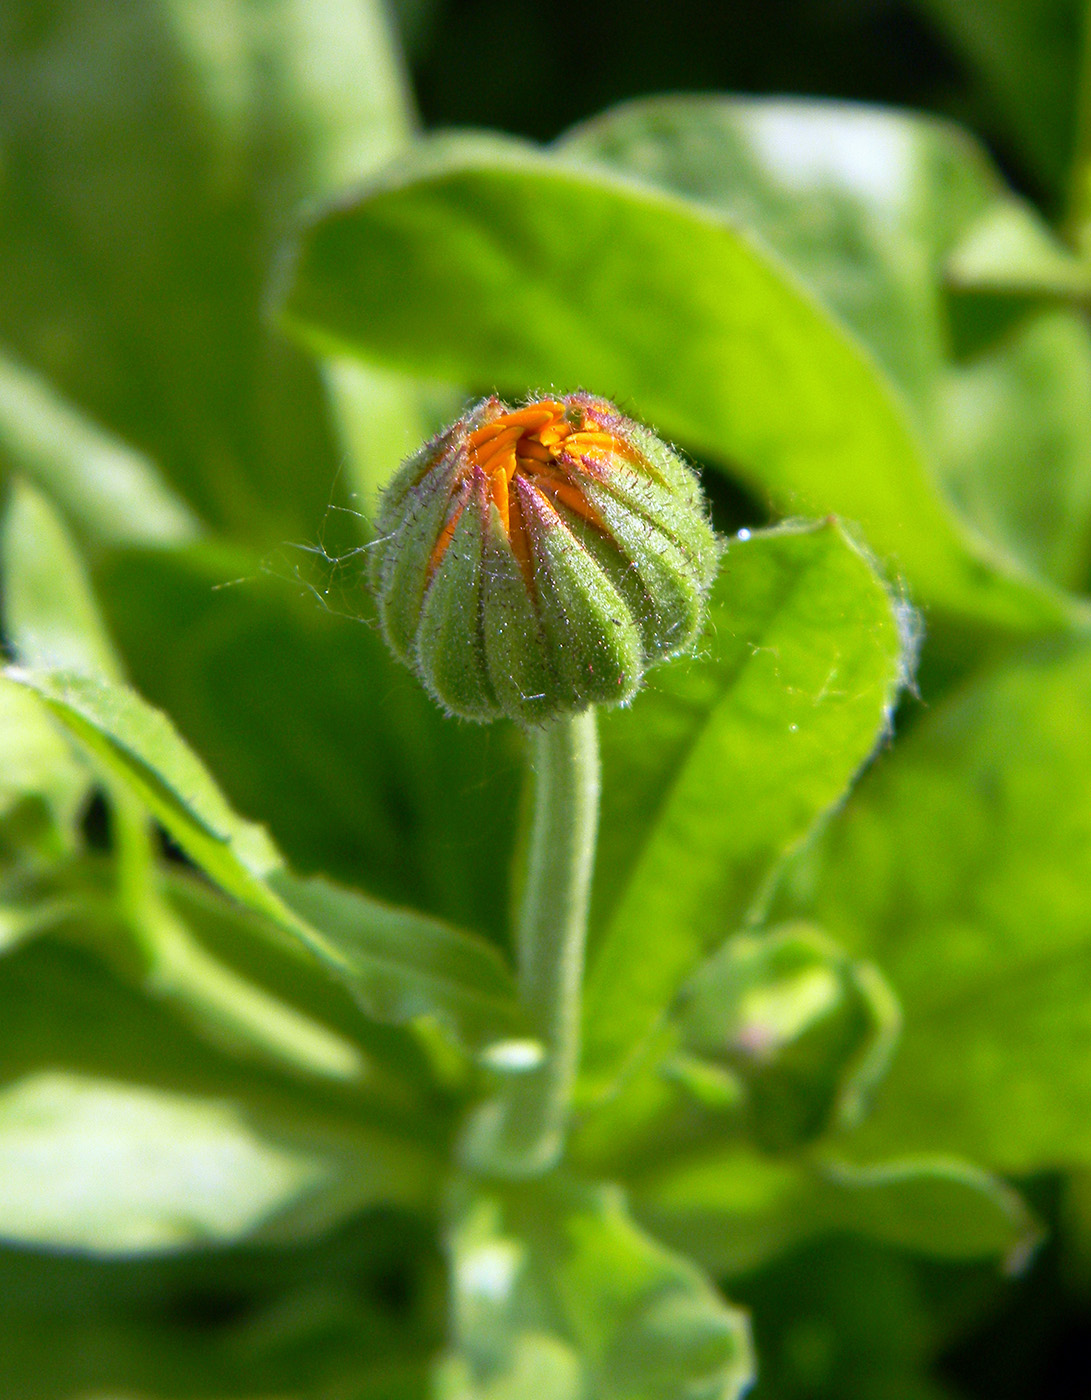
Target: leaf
(50, 613)
(153, 157)
(317, 1318)
(878, 213)
(734, 1209)
(42, 786)
(1016, 429)
(962, 866)
(558, 1293)
(401, 965)
(1027, 55)
(121, 1130)
(552, 272)
(397, 963)
(92, 1165)
(862, 203)
(308, 1321)
(261, 955)
(140, 746)
(725, 763)
(113, 492)
(316, 727)
(1007, 251)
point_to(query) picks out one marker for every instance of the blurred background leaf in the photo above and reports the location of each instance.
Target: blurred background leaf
(556, 1292)
(153, 156)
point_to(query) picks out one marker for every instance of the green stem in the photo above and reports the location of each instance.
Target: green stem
(527, 1133)
(1079, 199)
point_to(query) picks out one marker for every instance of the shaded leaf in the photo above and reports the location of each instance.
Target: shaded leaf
(808, 1031)
(1016, 443)
(400, 964)
(1027, 55)
(90, 1068)
(110, 490)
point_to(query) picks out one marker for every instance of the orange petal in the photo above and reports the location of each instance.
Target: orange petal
(506, 438)
(536, 415)
(555, 433)
(498, 485)
(531, 449)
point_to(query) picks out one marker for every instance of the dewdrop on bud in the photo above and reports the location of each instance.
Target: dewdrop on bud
(534, 561)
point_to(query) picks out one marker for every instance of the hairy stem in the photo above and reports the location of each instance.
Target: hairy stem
(528, 1132)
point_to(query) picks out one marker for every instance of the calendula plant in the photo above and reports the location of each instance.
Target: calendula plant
(583, 1022)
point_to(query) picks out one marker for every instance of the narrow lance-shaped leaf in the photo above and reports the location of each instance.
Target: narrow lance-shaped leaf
(400, 964)
(725, 763)
(549, 272)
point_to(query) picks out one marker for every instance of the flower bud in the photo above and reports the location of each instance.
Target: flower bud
(534, 561)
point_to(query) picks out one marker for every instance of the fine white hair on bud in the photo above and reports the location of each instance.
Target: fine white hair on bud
(534, 561)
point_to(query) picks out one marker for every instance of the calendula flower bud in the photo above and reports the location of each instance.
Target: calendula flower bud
(534, 561)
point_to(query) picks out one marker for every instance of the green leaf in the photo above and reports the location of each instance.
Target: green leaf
(260, 955)
(401, 965)
(962, 866)
(316, 727)
(1016, 443)
(42, 785)
(398, 963)
(120, 1129)
(558, 1293)
(152, 159)
(50, 613)
(506, 297)
(862, 203)
(1008, 251)
(140, 746)
(878, 212)
(113, 492)
(734, 1210)
(725, 762)
(1027, 55)
(91, 1164)
(310, 1321)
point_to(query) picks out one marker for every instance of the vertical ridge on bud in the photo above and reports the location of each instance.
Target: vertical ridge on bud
(534, 561)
